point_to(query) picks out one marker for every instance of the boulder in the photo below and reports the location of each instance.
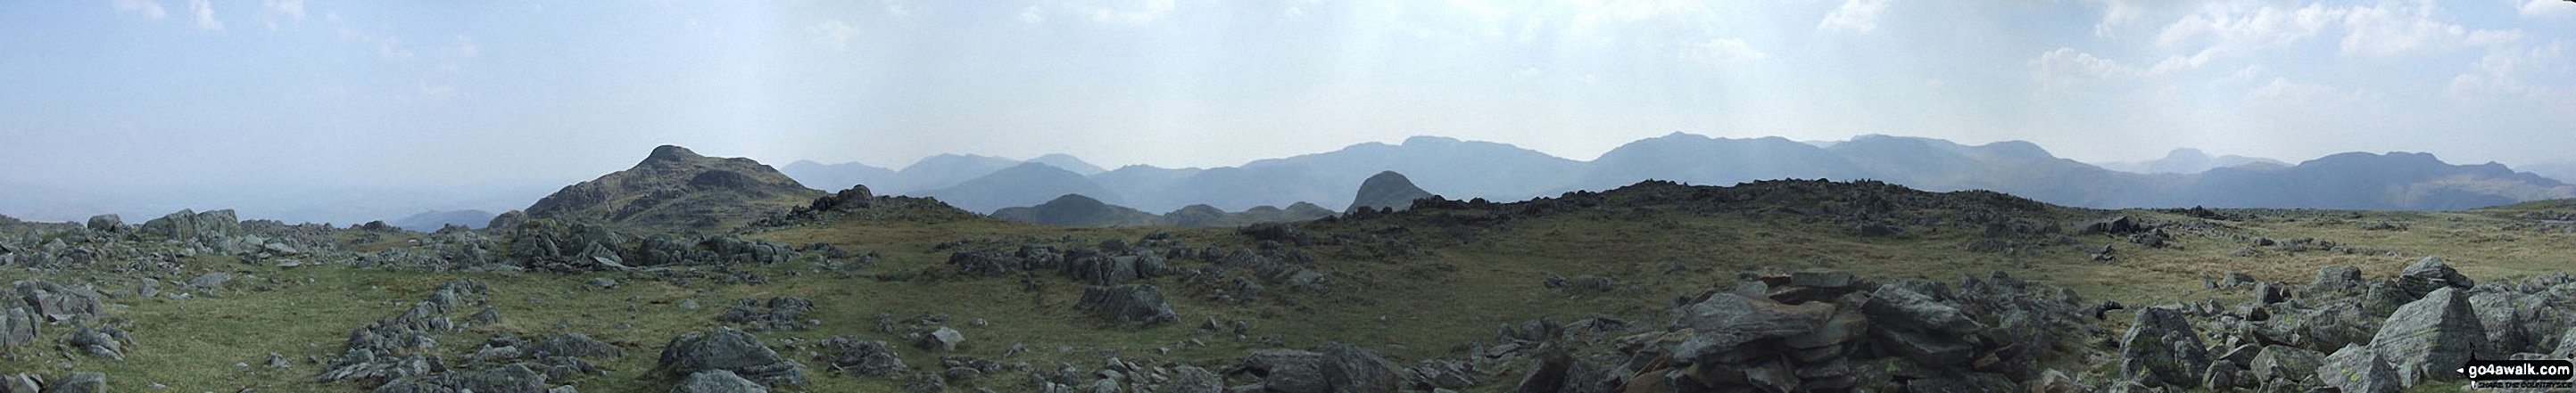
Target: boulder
(513, 378)
(106, 223)
(19, 328)
(1349, 368)
(2429, 274)
(211, 281)
(1727, 320)
(943, 340)
(2505, 328)
(21, 383)
(731, 350)
(1288, 370)
(2161, 349)
(57, 302)
(2285, 363)
(2429, 337)
(1191, 379)
(79, 382)
(2358, 369)
(2336, 279)
(1899, 307)
(1141, 303)
(718, 381)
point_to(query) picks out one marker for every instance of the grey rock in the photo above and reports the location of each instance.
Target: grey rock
(79, 382)
(2358, 369)
(21, 383)
(1349, 368)
(731, 350)
(108, 223)
(58, 302)
(943, 340)
(1127, 303)
(718, 381)
(1896, 306)
(2428, 338)
(2286, 363)
(2161, 349)
(1191, 379)
(1288, 370)
(512, 378)
(19, 328)
(2428, 274)
(869, 358)
(2336, 279)
(211, 281)
(2223, 374)
(2505, 327)
(1726, 320)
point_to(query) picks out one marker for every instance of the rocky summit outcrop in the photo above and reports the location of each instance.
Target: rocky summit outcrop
(677, 190)
(1387, 190)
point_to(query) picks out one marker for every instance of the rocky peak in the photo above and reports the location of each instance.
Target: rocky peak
(672, 153)
(1387, 190)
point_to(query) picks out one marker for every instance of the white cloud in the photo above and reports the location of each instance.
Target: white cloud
(2248, 74)
(1140, 15)
(272, 9)
(2545, 8)
(390, 48)
(2261, 27)
(1720, 51)
(1293, 12)
(1858, 16)
(436, 93)
(833, 32)
(2504, 74)
(2067, 68)
(2284, 92)
(293, 8)
(897, 9)
(2386, 30)
(465, 48)
(1031, 15)
(205, 11)
(148, 8)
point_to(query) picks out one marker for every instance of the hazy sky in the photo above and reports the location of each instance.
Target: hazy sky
(450, 92)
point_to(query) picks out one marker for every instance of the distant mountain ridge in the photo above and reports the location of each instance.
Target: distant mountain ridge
(2187, 161)
(1081, 211)
(1474, 169)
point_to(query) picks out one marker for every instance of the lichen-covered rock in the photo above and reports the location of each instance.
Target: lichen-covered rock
(2358, 369)
(2161, 349)
(2428, 338)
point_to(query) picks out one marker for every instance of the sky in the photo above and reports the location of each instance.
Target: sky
(145, 96)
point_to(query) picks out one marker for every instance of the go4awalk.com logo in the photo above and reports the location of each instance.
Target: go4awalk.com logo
(2521, 374)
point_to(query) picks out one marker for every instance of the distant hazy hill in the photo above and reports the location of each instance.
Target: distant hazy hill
(675, 189)
(930, 173)
(432, 221)
(842, 175)
(1075, 210)
(1470, 169)
(1020, 185)
(2186, 161)
(1081, 211)
(1386, 190)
